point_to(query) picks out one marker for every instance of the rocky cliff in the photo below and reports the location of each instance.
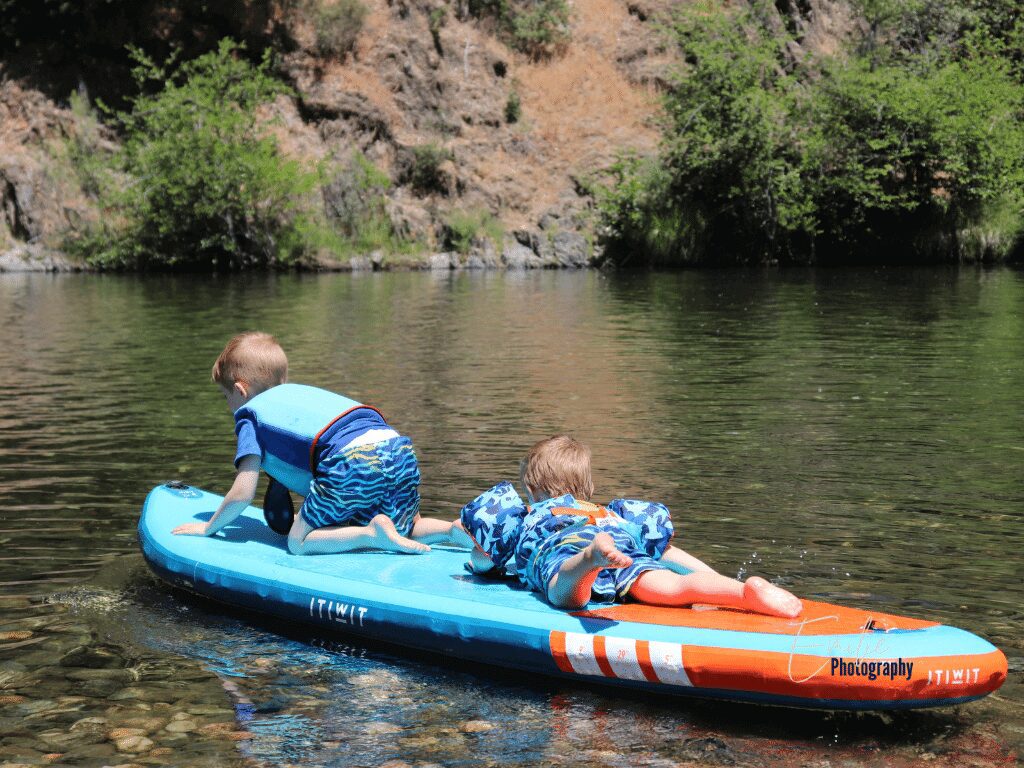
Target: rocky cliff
(421, 74)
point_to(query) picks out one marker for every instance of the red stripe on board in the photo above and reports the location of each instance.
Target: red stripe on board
(601, 657)
(643, 658)
(557, 643)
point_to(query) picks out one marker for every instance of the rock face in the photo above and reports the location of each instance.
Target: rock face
(423, 77)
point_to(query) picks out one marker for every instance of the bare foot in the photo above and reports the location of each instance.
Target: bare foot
(459, 536)
(762, 596)
(386, 537)
(603, 553)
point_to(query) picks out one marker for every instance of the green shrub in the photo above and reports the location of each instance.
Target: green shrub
(513, 108)
(356, 206)
(538, 28)
(862, 157)
(464, 227)
(338, 25)
(206, 185)
(424, 173)
(89, 160)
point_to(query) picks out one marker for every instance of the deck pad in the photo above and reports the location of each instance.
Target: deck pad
(829, 657)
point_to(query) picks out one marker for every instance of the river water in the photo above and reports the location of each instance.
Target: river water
(856, 435)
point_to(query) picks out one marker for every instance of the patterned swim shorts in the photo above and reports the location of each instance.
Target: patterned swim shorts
(612, 584)
(353, 486)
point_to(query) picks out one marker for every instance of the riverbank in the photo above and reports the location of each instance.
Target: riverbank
(566, 250)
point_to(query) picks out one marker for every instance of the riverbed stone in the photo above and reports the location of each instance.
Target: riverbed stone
(89, 752)
(93, 657)
(148, 725)
(129, 693)
(87, 674)
(122, 733)
(101, 688)
(133, 744)
(381, 727)
(208, 710)
(89, 724)
(476, 726)
(181, 726)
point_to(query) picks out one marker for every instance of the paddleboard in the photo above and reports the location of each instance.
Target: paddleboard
(829, 657)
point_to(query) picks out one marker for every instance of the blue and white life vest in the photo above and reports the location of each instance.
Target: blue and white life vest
(296, 424)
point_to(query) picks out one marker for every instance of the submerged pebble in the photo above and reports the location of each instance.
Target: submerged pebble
(133, 744)
(181, 726)
(476, 726)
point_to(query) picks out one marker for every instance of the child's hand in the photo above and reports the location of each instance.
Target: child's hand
(191, 529)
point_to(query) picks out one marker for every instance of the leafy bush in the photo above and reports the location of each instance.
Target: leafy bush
(869, 156)
(538, 28)
(355, 204)
(464, 227)
(424, 173)
(207, 186)
(513, 108)
(338, 25)
(89, 160)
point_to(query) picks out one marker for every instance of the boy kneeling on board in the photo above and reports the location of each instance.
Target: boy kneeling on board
(359, 477)
(572, 551)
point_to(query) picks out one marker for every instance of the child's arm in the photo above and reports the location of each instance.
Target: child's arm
(242, 492)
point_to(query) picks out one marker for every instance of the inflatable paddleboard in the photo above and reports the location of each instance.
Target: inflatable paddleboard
(829, 657)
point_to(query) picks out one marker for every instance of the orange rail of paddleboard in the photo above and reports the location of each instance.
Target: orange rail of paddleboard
(816, 619)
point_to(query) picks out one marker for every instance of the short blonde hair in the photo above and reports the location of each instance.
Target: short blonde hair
(558, 465)
(254, 359)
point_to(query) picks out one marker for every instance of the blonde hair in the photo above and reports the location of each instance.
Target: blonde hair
(558, 465)
(254, 359)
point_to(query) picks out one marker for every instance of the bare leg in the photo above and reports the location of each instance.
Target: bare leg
(570, 587)
(380, 533)
(757, 595)
(430, 530)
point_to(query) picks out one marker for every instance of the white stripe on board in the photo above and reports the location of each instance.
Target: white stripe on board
(621, 654)
(667, 660)
(579, 649)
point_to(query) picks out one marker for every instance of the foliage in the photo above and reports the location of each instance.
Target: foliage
(464, 227)
(862, 156)
(207, 185)
(425, 173)
(538, 28)
(89, 160)
(908, 159)
(513, 108)
(356, 206)
(338, 24)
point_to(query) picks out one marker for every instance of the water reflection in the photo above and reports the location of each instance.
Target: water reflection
(857, 434)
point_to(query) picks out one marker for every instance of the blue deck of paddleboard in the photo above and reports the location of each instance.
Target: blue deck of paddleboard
(430, 602)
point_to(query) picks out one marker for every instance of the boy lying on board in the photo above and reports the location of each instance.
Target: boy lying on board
(572, 551)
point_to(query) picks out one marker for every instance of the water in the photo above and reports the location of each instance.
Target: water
(856, 435)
